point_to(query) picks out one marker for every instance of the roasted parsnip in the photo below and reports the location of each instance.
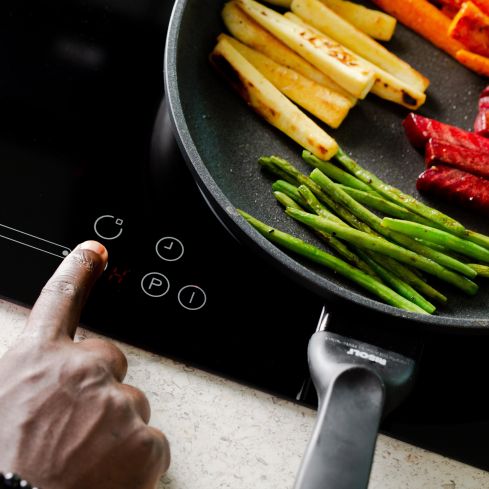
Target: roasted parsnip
(332, 25)
(280, 3)
(386, 86)
(246, 30)
(326, 55)
(268, 102)
(327, 105)
(374, 23)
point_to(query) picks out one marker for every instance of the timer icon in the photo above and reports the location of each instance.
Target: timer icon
(108, 227)
(170, 248)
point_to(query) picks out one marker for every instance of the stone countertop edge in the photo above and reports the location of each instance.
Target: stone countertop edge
(226, 435)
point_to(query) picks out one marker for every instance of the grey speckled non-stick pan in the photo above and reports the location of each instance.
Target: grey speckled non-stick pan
(222, 140)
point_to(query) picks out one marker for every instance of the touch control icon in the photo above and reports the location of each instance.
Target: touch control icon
(155, 284)
(108, 227)
(34, 242)
(192, 297)
(169, 248)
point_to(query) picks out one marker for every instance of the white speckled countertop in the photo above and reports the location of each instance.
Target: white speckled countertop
(225, 435)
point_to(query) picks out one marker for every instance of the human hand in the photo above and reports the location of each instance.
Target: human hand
(66, 419)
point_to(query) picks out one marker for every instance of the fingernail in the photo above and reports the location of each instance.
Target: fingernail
(96, 247)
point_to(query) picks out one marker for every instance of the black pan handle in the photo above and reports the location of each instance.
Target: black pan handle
(339, 455)
(352, 380)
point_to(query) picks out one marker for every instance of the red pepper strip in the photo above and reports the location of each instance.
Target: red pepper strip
(465, 159)
(481, 123)
(420, 129)
(456, 186)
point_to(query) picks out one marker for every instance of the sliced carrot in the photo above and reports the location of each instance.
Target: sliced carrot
(424, 18)
(456, 4)
(449, 11)
(475, 62)
(471, 27)
(483, 5)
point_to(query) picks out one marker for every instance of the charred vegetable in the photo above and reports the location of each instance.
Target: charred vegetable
(465, 159)
(420, 130)
(481, 123)
(339, 266)
(267, 101)
(457, 186)
(470, 26)
(327, 55)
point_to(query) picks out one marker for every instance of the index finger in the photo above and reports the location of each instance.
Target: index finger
(57, 311)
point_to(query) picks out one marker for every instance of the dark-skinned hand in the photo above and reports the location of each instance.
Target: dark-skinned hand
(66, 419)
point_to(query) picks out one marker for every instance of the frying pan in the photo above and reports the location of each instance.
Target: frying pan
(222, 139)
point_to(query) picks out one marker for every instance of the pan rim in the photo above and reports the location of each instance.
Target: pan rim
(252, 239)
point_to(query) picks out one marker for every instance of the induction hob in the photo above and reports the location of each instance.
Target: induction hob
(82, 157)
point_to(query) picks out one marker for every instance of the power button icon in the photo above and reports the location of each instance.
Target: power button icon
(108, 227)
(192, 297)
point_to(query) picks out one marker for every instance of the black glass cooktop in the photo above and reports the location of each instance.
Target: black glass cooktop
(82, 157)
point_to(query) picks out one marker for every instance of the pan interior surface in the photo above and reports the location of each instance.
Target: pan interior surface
(223, 139)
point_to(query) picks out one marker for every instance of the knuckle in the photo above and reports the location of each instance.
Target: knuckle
(76, 366)
(62, 285)
(150, 444)
(107, 353)
(88, 367)
(137, 394)
(110, 351)
(98, 371)
(117, 402)
(162, 446)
